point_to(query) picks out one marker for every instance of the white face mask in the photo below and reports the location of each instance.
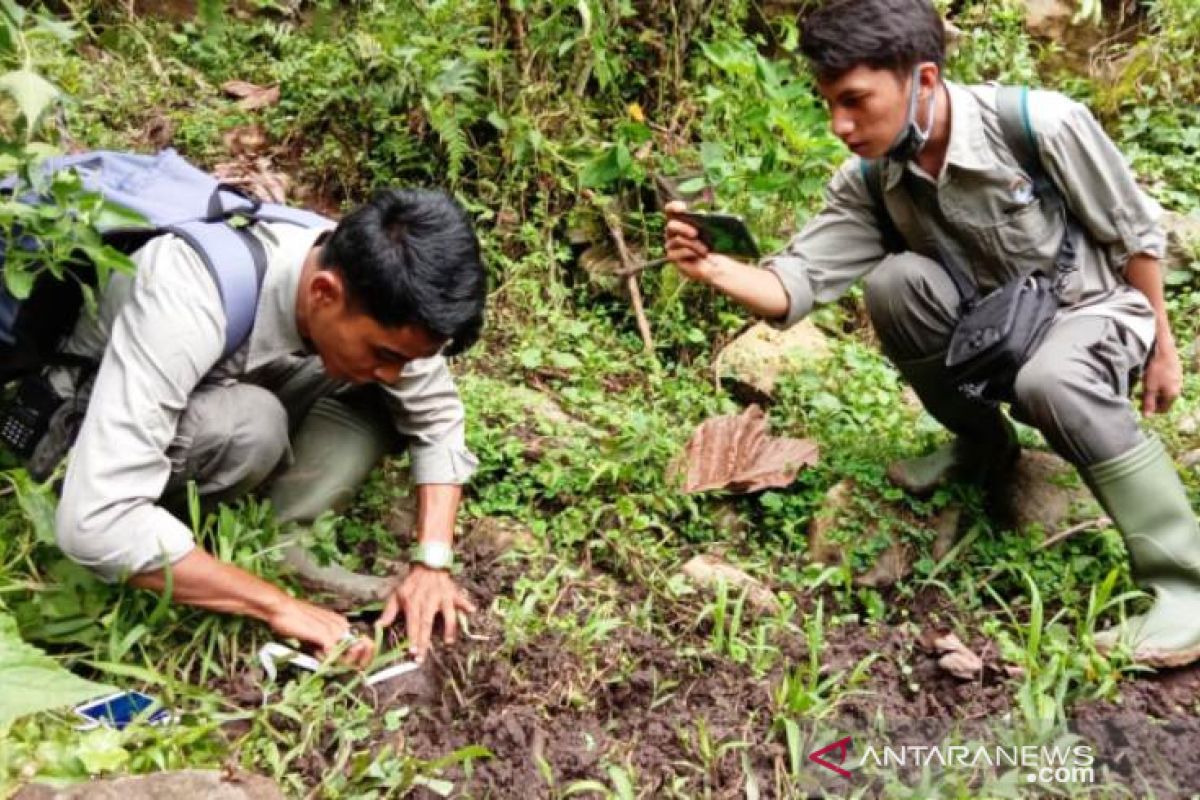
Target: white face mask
(912, 140)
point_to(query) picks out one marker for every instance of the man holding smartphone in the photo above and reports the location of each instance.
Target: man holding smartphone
(950, 184)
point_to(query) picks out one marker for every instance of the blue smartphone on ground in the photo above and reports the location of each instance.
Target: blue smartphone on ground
(723, 233)
(120, 709)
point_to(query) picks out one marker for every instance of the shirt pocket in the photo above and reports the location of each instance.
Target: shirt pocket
(1027, 237)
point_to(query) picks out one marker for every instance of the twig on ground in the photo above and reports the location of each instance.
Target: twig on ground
(1091, 524)
(1098, 522)
(629, 270)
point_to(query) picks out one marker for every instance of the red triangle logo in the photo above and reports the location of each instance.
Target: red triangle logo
(838, 750)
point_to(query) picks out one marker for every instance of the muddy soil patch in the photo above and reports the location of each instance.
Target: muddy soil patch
(1149, 738)
(560, 707)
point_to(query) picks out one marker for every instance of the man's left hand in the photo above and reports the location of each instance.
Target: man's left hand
(423, 595)
(1163, 381)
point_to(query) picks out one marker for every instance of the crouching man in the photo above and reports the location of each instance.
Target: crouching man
(344, 362)
(970, 218)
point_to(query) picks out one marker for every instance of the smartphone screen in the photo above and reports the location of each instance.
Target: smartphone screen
(118, 710)
(723, 233)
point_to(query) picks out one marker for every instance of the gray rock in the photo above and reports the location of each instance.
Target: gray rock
(1045, 490)
(945, 526)
(1183, 241)
(829, 542)
(188, 783)
(1048, 19)
(491, 537)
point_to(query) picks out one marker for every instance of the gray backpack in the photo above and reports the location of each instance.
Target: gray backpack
(171, 196)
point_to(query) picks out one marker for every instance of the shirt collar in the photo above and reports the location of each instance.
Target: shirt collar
(275, 331)
(969, 147)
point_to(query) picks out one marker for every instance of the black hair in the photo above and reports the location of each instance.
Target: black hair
(882, 34)
(411, 256)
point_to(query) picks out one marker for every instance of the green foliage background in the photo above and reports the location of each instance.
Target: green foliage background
(543, 115)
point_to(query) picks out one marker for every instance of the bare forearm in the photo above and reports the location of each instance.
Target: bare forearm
(757, 289)
(1143, 274)
(200, 580)
(437, 508)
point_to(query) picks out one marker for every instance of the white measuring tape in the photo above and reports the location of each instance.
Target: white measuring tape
(274, 653)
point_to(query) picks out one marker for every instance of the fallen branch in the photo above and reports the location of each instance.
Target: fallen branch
(629, 270)
(1091, 524)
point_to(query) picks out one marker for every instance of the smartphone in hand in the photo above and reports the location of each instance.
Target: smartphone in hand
(723, 233)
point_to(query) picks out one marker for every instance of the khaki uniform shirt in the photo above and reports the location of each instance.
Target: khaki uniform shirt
(989, 216)
(161, 333)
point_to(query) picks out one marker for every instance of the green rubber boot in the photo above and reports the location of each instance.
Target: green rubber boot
(985, 447)
(334, 450)
(1145, 499)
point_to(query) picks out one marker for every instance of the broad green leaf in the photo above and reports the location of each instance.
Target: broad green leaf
(63, 31)
(18, 281)
(101, 751)
(13, 11)
(8, 37)
(438, 786)
(33, 94)
(116, 217)
(37, 503)
(31, 681)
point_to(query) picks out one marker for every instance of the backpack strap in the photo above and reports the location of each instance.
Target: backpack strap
(1012, 110)
(237, 263)
(232, 255)
(872, 175)
(893, 240)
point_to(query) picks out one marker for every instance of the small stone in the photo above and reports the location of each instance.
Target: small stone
(945, 526)
(1183, 241)
(1048, 19)
(707, 572)
(729, 521)
(1189, 424)
(209, 784)
(827, 545)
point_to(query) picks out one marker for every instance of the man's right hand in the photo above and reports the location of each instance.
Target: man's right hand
(324, 629)
(684, 248)
(757, 289)
(199, 579)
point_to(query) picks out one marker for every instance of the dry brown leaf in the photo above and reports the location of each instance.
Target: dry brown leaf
(245, 140)
(255, 177)
(251, 96)
(735, 453)
(158, 131)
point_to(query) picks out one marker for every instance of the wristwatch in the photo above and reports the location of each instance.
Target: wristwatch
(434, 555)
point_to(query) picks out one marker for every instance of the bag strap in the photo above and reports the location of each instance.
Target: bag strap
(872, 175)
(1012, 110)
(234, 258)
(893, 241)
